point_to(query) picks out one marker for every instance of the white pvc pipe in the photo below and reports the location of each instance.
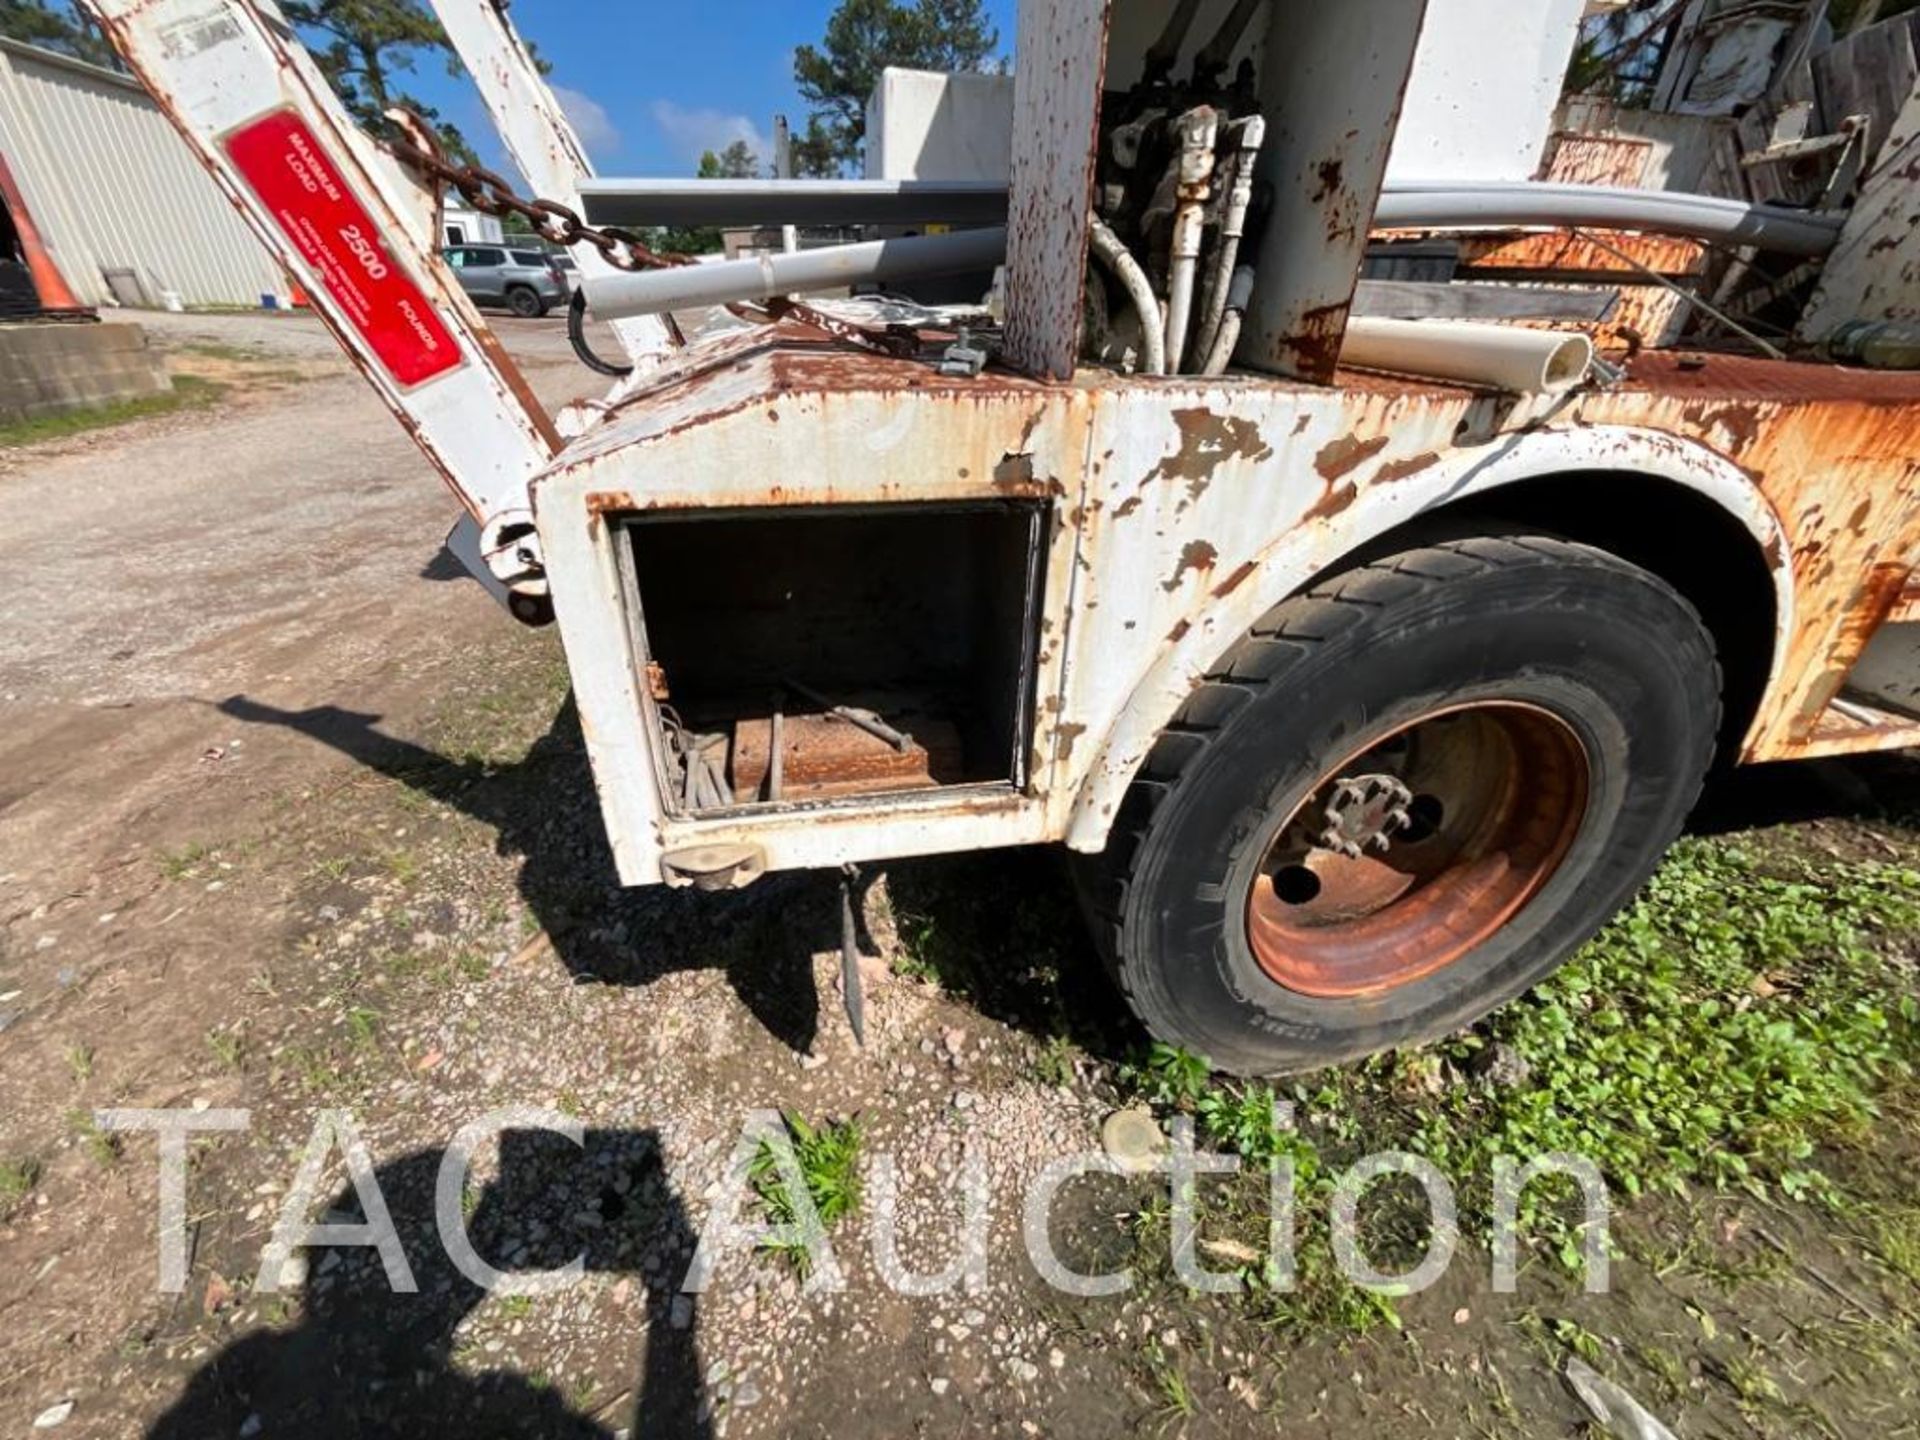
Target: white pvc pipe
(1504, 357)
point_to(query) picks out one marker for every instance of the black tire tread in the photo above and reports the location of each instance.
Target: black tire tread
(1278, 640)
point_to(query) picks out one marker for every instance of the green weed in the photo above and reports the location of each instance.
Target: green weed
(17, 1181)
(189, 393)
(1176, 1396)
(227, 1047)
(314, 1068)
(828, 1158)
(181, 863)
(1730, 1024)
(102, 1146)
(363, 1027)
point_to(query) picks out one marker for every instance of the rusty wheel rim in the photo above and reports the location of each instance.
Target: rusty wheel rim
(1416, 850)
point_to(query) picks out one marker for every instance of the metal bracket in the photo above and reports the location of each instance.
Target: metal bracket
(713, 868)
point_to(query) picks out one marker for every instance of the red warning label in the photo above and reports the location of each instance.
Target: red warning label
(331, 229)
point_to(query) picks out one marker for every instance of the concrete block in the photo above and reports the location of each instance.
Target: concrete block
(69, 367)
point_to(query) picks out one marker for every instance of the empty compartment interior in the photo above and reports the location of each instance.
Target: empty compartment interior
(1887, 676)
(812, 654)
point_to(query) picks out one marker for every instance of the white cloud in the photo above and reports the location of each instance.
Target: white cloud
(590, 121)
(693, 131)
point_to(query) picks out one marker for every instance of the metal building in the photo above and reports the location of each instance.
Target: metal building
(125, 210)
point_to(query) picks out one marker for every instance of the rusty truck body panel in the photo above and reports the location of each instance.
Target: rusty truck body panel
(1182, 512)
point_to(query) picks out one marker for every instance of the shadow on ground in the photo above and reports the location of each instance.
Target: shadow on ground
(998, 929)
(1861, 787)
(365, 1361)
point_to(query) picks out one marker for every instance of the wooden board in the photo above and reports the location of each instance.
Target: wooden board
(1487, 300)
(822, 757)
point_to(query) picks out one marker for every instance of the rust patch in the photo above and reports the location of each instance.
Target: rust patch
(1197, 555)
(610, 502)
(1234, 581)
(1396, 470)
(1330, 174)
(1014, 471)
(1313, 353)
(1065, 737)
(1179, 631)
(1337, 498)
(1556, 253)
(1741, 422)
(1874, 603)
(1906, 608)
(1879, 595)
(1742, 378)
(1126, 507)
(1347, 454)
(1208, 441)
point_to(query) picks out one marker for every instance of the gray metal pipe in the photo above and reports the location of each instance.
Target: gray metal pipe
(1435, 205)
(1456, 204)
(1411, 204)
(762, 277)
(634, 203)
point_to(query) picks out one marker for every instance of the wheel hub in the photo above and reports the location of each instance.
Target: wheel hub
(1364, 814)
(1418, 849)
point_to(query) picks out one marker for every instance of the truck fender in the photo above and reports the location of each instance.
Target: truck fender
(1091, 790)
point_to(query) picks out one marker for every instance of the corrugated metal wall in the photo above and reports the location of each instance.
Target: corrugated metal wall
(111, 186)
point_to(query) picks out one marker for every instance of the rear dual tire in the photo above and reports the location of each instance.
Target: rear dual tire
(1510, 732)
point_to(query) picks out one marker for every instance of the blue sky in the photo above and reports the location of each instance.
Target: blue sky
(652, 85)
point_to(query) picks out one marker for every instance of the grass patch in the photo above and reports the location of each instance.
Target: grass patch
(102, 1146)
(17, 1181)
(404, 866)
(516, 1307)
(228, 1048)
(1174, 1395)
(1734, 1022)
(215, 350)
(189, 393)
(314, 1068)
(363, 1027)
(1053, 1062)
(181, 864)
(828, 1160)
(1730, 1023)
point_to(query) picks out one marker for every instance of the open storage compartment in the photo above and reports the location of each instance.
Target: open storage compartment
(813, 654)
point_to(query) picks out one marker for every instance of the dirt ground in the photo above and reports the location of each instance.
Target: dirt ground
(293, 821)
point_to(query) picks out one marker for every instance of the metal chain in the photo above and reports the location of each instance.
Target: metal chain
(491, 194)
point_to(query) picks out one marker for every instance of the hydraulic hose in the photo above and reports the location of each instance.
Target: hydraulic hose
(577, 335)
